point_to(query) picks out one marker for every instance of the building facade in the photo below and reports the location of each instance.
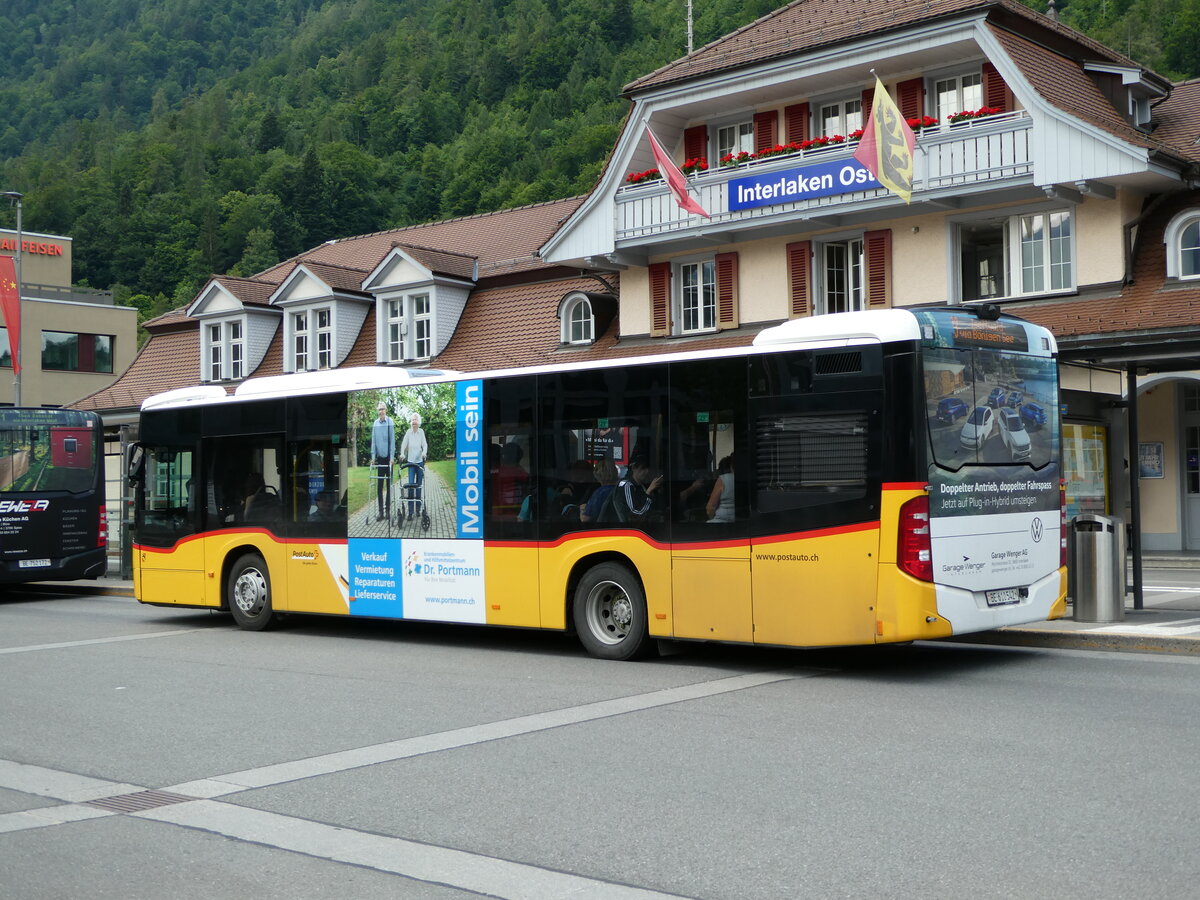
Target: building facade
(74, 341)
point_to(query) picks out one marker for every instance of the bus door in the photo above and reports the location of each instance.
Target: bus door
(244, 493)
(170, 561)
(710, 521)
(815, 493)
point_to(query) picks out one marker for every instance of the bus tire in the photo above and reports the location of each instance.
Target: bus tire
(248, 592)
(610, 613)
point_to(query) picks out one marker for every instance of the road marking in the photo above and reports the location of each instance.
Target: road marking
(58, 785)
(1167, 629)
(108, 640)
(423, 862)
(329, 763)
(46, 817)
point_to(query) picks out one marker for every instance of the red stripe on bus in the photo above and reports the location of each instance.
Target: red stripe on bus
(905, 485)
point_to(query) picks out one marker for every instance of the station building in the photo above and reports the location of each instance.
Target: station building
(74, 341)
(1053, 176)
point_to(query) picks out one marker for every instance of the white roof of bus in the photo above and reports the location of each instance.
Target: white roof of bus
(812, 332)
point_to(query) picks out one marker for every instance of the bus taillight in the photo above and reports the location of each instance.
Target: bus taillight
(102, 531)
(914, 552)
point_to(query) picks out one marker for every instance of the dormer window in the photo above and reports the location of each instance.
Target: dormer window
(1182, 238)
(578, 322)
(409, 327)
(310, 334)
(225, 351)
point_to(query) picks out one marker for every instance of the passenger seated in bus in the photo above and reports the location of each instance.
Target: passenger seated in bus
(637, 497)
(510, 481)
(572, 494)
(327, 508)
(720, 501)
(606, 474)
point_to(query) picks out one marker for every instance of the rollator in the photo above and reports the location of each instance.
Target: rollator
(411, 499)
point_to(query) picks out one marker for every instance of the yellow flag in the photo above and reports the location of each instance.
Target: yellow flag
(887, 145)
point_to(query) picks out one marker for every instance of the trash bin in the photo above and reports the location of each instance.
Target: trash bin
(1096, 567)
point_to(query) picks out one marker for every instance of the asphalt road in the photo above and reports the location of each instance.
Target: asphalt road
(358, 760)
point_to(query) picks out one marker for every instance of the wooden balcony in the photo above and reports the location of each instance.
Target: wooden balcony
(982, 153)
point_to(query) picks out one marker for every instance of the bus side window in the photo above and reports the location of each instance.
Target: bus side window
(510, 497)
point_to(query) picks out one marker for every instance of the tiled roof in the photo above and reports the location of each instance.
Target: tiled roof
(505, 241)
(1063, 83)
(168, 360)
(340, 278)
(1178, 119)
(255, 291)
(440, 262)
(805, 25)
(1147, 305)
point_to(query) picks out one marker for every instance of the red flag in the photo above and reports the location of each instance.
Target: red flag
(887, 144)
(10, 305)
(676, 180)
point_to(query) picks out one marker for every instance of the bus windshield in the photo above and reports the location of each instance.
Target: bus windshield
(46, 450)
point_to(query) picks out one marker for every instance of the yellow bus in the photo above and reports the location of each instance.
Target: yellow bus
(847, 479)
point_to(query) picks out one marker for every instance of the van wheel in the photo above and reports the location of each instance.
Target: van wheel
(248, 593)
(610, 613)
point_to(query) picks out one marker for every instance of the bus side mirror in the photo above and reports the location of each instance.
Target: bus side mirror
(135, 465)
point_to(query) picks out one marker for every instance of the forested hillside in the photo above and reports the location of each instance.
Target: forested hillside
(177, 138)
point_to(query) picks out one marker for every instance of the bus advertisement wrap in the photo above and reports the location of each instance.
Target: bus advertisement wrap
(994, 498)
(415, 523)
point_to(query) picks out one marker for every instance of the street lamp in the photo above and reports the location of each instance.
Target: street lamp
(15, 199)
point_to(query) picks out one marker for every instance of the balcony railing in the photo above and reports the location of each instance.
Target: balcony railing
(979, 152)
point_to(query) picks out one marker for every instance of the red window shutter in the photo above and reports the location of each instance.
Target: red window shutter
(877, 250)
(764, 130)
(912, 97)
(727, 290)
(695, 142)
(660, 299)
(799, 261)
(796, 122)
(868, 98)
(995, 91)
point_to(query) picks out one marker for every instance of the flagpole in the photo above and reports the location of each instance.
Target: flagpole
(16, 198)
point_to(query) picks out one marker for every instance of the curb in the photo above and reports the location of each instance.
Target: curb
(1068, 640)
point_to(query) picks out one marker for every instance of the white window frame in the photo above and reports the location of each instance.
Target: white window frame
(224, 350)
(733, 137)
(1174, 236)
(702, 310)
(578, 322)
(408, 323)
(951, 94)
(851, 292)
(1032, 267)
(845, 120)
(308, 337)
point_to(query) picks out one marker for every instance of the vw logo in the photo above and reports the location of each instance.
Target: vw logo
(1035, 530)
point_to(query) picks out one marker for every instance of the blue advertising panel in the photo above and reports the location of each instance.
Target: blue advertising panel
(823, 179)
(469, 458)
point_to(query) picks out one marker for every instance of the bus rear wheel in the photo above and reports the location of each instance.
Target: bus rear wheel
(610, 613)
(248, 592)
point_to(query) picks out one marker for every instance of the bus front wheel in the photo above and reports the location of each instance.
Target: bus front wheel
(249, 593)
(610, 613)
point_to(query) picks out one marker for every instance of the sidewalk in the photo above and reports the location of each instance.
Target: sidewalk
(1155, 629)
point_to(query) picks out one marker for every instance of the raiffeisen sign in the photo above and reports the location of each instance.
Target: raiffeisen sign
(823, 179)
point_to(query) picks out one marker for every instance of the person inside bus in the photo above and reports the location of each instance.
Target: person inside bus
(637, 497)
(720, 501)
(327, 508)
(571, 496)
(511, 481)
(606, 475)
(383, 449)
(414, 449)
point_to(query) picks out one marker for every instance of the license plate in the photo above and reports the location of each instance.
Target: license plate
(33, 563)
(1006, 597)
